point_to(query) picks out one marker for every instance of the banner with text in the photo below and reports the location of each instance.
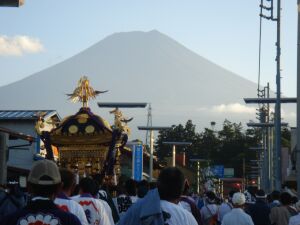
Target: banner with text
(137, 162)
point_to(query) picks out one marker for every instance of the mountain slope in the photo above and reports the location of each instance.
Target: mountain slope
(136, 66)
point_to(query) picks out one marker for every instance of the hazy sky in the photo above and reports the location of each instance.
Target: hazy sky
(44, 32)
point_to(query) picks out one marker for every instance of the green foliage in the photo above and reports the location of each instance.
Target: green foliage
(228, 147)
(177, 133)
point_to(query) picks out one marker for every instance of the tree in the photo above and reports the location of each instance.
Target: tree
(228, 147)
(178, 133)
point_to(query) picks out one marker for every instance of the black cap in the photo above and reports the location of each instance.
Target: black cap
(260, 194)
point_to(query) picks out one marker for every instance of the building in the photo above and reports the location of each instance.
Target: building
(21, 153)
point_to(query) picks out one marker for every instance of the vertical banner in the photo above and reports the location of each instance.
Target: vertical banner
(137, 162)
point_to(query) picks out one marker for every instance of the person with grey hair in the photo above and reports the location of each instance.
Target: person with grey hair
(237, 216)
(295, 220)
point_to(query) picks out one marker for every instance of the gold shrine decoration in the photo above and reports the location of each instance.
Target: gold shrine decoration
(121, 121)
(42, 125)
(85, 142)
(84, 92)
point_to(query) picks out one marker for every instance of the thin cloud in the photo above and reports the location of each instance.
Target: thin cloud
(19, 45)
(233, 108)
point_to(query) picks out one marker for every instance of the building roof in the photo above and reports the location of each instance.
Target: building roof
(25, 114)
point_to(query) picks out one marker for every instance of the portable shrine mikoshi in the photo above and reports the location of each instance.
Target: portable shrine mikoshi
(86, 143)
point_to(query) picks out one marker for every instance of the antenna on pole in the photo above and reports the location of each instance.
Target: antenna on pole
(149, 124)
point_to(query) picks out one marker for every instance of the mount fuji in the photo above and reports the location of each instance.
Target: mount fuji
(140, 67)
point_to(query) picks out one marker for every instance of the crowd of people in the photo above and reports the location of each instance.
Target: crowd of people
(53, 197)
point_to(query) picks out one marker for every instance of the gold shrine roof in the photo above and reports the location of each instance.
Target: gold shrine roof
(83, 128)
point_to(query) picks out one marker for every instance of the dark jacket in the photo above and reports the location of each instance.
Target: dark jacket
(259, 212)
(10, 203)
(41, 212)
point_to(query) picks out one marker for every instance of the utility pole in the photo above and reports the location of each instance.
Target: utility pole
(272, 159)
(263, 117)
(278, 103)
(277, 153)
(267, 145)
(3, 152)
(298, 104)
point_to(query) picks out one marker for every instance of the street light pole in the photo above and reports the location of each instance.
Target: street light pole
(151, 156)
(198, 177)
(198, 160)
(152, 129)
(174, 156)
(174, 143)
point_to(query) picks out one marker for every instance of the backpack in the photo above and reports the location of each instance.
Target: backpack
(213, 219)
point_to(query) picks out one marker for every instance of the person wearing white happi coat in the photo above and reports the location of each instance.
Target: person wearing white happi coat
(96, 210)
(68, 205)
(63, 201)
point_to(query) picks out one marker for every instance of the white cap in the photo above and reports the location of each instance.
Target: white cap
(238, 199)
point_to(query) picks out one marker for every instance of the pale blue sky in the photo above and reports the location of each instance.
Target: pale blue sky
(225, 32)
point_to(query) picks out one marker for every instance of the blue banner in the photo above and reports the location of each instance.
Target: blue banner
(218, 171)
(137, 162)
